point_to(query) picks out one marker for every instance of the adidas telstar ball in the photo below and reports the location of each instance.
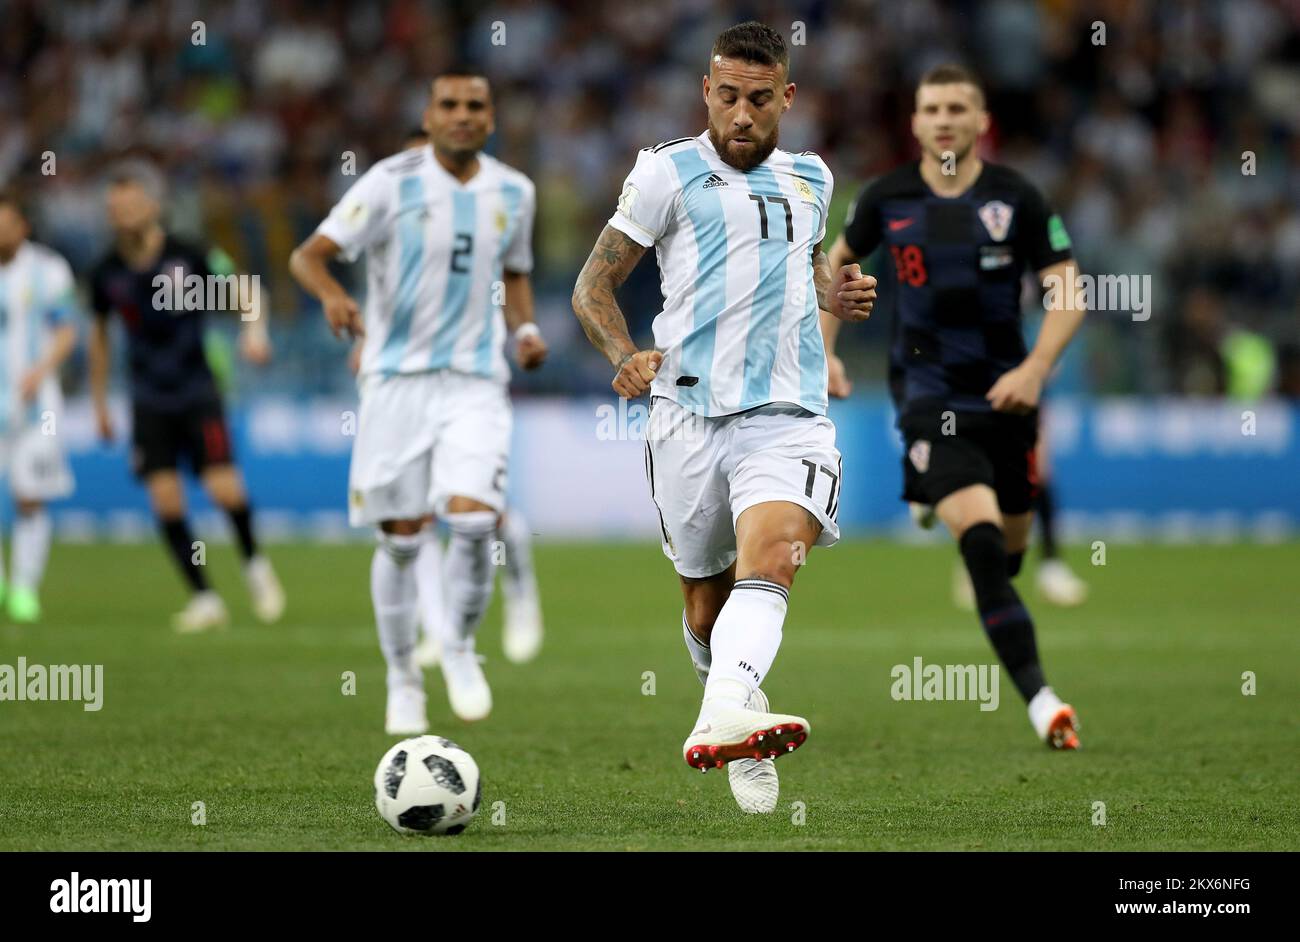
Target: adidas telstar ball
(427, 785)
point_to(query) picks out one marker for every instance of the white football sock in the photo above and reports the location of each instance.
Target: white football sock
(468, 574)
(429, 588)
(519, 580)
(744, 641)
(395, 597)
(31, 549)
(1042, 708)
(701, 655)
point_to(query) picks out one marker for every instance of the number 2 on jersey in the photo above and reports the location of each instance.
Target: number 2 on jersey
(459, 255)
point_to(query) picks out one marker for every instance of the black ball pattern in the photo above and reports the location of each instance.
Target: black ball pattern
(394, 774)
(421, 817)
(445, 773)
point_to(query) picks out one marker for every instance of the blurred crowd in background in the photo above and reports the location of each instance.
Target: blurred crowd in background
(1138, 119)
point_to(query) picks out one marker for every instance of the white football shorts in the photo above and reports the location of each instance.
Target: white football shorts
(705, 472)
(423, 438)
(36, 465)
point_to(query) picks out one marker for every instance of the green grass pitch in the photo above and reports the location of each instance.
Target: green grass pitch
(253, 722)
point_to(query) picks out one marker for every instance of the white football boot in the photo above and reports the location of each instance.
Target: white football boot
(265, 589)
(727, 733)
(467, 688)
(1055, 722)
(1059, 585)
(754, 782)
(522, 638)
(405, 715)
(429, 651)
(204, 610)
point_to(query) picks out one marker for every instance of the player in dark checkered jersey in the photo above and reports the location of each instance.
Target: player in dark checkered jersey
(960, 233)
(176, 409)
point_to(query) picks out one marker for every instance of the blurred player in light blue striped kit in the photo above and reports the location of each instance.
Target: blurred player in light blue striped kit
(37, 333)
(447, 234)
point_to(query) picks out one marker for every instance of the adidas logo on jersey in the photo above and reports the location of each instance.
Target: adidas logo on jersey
(714, 180)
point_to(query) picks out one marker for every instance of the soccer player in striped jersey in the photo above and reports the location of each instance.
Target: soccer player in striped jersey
(37, 333)
(741, 456)
(447, 231)
(522, 629)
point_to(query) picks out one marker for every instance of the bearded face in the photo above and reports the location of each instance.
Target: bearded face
(745, 101)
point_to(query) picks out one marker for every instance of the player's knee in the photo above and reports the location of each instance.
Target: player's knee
(169, 505)
(776, 561)
(463, 505)
(472, 524)
(402, 548)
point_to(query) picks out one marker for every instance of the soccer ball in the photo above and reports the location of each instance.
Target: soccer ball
(427, 785)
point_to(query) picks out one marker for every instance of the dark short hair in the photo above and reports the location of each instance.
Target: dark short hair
(950, 73)
(12, 197)
(461, 70)
(753, 42)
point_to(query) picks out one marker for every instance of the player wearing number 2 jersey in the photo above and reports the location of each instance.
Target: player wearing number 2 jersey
(447, 232)
(37, 308)
(740, 455)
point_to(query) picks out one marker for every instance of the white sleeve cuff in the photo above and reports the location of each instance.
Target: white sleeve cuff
(630, 229)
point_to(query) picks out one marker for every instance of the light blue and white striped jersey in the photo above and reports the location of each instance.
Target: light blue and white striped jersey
(739, 326)
(435, 249)
(37, 294)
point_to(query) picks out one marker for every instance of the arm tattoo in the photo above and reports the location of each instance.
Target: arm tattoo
(611, 261)
(821, 277)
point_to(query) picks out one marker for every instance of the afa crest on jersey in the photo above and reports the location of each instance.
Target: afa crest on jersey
(996, 216)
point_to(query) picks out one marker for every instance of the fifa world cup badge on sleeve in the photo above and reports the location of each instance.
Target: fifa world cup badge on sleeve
(355, 215)
(627, 199)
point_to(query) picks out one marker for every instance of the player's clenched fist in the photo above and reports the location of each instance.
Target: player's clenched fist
(636, 372)
(530, 348)
(852, 294)
(343, 315)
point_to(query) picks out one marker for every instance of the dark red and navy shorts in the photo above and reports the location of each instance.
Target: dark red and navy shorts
(946, 451)
(196, 435)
